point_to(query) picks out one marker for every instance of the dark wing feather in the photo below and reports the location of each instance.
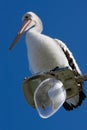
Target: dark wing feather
(75, 101)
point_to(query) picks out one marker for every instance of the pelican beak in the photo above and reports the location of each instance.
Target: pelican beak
(25, 26)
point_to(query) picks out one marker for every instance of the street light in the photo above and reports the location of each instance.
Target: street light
(47, 91)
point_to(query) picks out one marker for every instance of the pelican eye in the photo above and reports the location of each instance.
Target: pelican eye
(26, 17)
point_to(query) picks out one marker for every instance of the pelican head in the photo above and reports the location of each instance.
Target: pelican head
(30, 22)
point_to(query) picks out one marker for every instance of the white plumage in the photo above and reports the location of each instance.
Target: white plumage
(46, 53)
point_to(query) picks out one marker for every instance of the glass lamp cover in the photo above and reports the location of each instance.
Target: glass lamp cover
(49, 96)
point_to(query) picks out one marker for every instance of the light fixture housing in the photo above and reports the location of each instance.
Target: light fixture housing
(63, 83)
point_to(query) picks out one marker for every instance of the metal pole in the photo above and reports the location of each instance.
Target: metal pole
(81, 78)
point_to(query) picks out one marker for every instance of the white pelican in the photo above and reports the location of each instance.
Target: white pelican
(46, 53)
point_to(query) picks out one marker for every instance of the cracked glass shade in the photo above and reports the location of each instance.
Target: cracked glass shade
(49, 96)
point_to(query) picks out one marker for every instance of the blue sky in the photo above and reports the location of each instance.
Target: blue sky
(65, 20)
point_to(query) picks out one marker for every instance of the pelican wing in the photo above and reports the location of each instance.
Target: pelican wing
(75, 101)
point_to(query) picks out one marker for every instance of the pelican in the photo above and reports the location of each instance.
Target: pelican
(46, 53)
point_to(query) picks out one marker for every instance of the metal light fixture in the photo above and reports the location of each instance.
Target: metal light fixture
(47, 91)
